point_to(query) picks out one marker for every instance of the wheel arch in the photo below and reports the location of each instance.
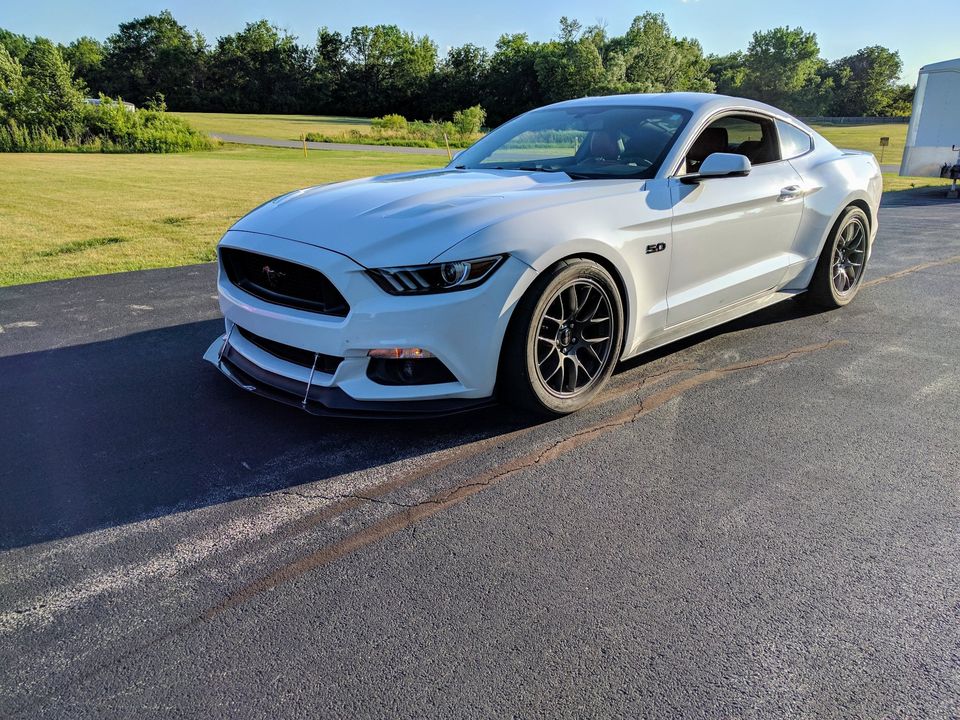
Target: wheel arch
(532, 287)
(617, 269)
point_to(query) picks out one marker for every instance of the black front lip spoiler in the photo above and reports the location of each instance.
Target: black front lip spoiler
(332, 401)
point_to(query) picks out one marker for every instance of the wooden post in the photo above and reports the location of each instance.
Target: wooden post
(303, 137)
(447, 141)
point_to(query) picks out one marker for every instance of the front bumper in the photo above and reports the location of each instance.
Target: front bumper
(464, 330)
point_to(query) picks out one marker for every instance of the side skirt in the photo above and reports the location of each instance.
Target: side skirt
(697, 325)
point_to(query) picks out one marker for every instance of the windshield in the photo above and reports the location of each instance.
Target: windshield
(584, 142)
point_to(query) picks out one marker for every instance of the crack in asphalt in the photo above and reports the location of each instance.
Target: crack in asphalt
(910, 270)
(348, 501)
(410, 515)
(415, 512)
(565, 444)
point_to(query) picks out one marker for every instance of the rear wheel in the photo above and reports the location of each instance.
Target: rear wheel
(564, 339)
(840, 268)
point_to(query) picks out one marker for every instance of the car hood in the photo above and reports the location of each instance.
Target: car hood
(411, 218)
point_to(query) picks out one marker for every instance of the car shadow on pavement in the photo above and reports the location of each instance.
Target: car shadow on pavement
(112, 432)
(137, 427)
(916, 197)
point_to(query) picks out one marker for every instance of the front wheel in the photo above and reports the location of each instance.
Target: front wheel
(840, 267)
(564, 339)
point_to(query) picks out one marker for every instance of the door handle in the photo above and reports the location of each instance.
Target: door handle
(790, 192)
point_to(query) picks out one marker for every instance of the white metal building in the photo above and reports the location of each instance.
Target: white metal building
(935, 123)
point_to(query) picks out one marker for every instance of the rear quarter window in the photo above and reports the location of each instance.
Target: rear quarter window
(793, 141)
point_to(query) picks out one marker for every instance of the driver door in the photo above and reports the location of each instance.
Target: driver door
(732, 235)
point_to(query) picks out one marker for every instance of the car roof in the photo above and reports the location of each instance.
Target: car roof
(692, 101)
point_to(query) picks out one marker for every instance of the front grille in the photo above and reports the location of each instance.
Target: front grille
(298, 356)
(282, 282)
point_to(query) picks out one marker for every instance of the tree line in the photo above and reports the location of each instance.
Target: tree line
(382, 69)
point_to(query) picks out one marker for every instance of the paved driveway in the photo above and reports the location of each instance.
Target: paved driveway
(763, 521)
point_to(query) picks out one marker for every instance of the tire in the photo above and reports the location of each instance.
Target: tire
(555, 357)
(840, 268)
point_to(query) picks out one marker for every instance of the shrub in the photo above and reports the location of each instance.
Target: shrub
(470, 120)
(397, 130)
(42, 109)
(390, 122)
(107, 127)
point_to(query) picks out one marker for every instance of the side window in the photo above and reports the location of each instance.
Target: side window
(793, 141)
(743, 134)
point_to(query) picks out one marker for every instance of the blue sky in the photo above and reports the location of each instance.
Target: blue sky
(922, 33)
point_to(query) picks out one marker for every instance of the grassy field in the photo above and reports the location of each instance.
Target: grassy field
(280, 127)
(289, 127)
(867, 137)
(65, 215)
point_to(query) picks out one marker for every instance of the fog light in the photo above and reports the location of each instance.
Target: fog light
(400, 353)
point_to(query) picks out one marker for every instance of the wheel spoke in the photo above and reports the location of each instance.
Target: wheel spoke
(573, 303)
(848, 234)
(579, 363)
(595, 355)
(572, 377)
(568, 360)
(557, 369)
(586, 315)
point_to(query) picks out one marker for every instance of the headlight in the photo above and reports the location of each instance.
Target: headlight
(437, 277)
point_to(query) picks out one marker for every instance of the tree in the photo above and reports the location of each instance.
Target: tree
(389, 70)
(459, 80)
(513, 86)
(12, 88)
(656, 61)
(329, 69)
(51, 97)
(85, 57)
(155, 54)
(728, 72)
(259, 69)
(865, 83)
(570, 67)
(783, 68)
(16, 45)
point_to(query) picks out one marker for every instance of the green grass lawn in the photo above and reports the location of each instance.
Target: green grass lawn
(289, 127)
(867, 137)
(894, 183)
(280, 127)
(65, 214)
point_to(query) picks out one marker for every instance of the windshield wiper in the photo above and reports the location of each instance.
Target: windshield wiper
(537, 168)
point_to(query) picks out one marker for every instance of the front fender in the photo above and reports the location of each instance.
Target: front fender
(615, 230)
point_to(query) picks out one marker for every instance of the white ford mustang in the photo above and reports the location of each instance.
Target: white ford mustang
(567, 239)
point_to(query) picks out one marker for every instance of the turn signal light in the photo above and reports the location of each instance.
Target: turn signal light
(400, 353)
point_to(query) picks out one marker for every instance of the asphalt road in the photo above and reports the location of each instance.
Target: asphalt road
(274, 142)
(761, 522)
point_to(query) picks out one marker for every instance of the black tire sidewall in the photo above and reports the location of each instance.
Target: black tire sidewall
(532, 394)
(822, 290)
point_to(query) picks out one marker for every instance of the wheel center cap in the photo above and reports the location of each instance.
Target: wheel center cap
(565, 336)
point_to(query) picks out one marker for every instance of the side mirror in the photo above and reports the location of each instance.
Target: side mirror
(718, 165)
